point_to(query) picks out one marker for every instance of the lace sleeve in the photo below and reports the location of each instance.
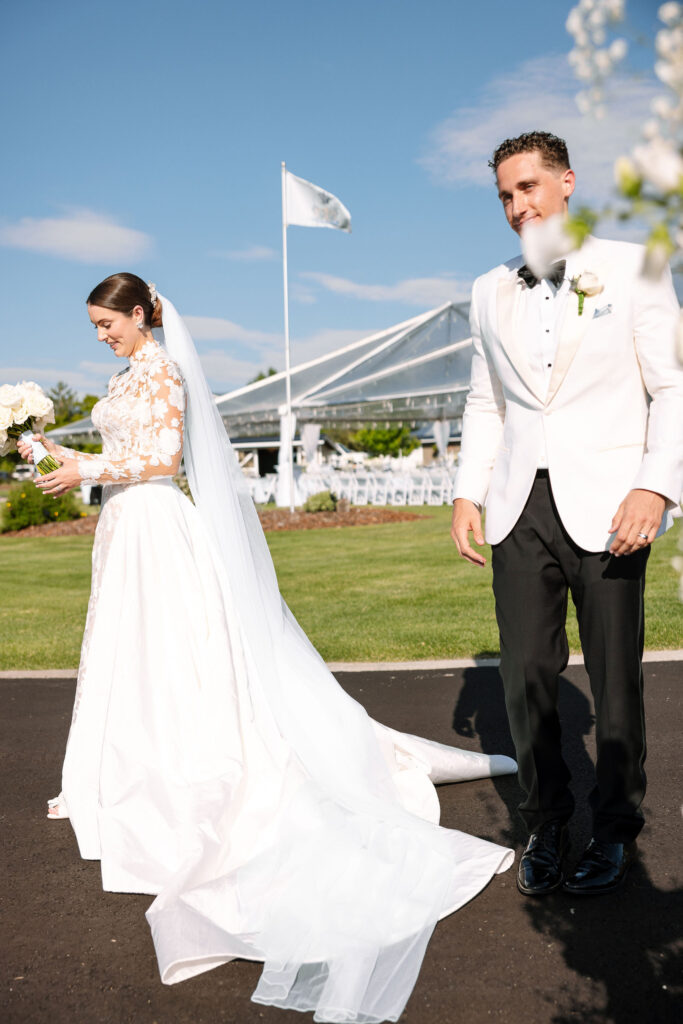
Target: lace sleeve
(160, 452)
(62, 452)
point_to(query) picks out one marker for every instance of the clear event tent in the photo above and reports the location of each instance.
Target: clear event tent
(415, 371)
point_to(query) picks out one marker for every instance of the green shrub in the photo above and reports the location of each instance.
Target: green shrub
(28, 506)
(323, 501)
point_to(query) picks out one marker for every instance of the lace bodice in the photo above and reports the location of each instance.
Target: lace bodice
(140, 421)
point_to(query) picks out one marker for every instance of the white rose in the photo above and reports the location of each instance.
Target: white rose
(6, 444)
(6, 417)
(38, 403)
(10, 395)
(41, 422)
(21, 412)
(588, 283)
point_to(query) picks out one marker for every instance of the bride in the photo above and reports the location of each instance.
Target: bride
(213, 760)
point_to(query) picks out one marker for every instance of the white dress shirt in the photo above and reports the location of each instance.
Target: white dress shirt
(541, 315)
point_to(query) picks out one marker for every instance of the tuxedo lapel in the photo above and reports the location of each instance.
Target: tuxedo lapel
(508, 312)
(573, 326)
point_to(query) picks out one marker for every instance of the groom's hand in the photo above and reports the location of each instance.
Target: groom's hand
(639, 513)
(466, 520)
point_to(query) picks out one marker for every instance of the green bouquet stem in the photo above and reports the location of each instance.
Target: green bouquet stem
(47, 465)
(42, 460)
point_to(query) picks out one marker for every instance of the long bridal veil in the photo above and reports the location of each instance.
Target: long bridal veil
(339, 895)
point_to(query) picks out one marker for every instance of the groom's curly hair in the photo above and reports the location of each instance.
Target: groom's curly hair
(553, 150)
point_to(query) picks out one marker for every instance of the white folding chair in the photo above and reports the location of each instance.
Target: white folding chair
(361, 489)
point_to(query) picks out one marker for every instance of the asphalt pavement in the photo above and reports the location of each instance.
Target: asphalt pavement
(73, 954)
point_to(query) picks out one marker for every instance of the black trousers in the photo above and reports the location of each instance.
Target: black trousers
(535, 568)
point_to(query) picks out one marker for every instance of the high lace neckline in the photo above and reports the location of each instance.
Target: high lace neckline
(148, 351)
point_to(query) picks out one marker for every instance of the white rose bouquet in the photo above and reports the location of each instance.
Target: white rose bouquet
(24, 411)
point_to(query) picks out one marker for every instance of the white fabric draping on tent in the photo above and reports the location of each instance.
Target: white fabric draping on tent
(442, 433)
(285, 469)
(310, 436)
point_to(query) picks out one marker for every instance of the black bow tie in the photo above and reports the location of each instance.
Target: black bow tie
(556, 275)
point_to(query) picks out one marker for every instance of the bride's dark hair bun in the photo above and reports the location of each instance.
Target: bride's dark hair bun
(122, 293)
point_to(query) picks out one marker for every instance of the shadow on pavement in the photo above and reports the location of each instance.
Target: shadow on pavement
(627, 945)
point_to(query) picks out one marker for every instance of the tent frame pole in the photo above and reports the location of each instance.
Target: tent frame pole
(288, 379)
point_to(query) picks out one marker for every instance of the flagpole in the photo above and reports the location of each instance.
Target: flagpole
(288, 381)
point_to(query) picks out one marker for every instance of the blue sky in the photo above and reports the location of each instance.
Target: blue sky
(148, 136)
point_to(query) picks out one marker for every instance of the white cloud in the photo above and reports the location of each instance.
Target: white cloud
(81, 235)
(225, 372)
(213, 328)
(252, 254)
(86, 378)
(425, 292)
(301, 293)
(539, 95)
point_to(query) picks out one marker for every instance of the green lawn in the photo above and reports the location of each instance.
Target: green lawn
(375, 593)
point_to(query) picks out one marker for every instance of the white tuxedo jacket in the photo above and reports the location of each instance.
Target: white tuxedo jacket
(612, 417)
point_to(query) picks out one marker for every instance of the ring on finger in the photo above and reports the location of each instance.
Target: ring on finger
(643, 535)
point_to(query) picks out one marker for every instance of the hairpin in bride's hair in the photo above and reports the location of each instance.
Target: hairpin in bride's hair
(152, 292)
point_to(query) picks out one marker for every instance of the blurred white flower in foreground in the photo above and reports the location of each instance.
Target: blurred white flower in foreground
(544, 242)
(669, 13)
(660, 163)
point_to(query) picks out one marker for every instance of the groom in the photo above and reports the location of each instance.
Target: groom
(572, 439)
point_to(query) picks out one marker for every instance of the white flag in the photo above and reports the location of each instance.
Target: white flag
(312, 207)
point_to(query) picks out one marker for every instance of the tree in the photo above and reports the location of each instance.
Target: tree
(66, 403)
(261, 375)
(393, 441)
(87, 403)
(68, 406)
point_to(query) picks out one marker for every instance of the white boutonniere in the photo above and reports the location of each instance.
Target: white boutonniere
(585, 284)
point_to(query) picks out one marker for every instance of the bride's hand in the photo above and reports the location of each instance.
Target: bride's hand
(26, 452)
(60, 480)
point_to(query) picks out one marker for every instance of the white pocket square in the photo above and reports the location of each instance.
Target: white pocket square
(603, 311)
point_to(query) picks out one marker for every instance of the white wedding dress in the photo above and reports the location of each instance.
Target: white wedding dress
(213, 760)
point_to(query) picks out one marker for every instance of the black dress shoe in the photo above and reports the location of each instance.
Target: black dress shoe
(540, 868)
(602, 868)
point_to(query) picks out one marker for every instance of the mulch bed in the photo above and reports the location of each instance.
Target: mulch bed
(67, 528)
(271, 519)
(353, 515)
